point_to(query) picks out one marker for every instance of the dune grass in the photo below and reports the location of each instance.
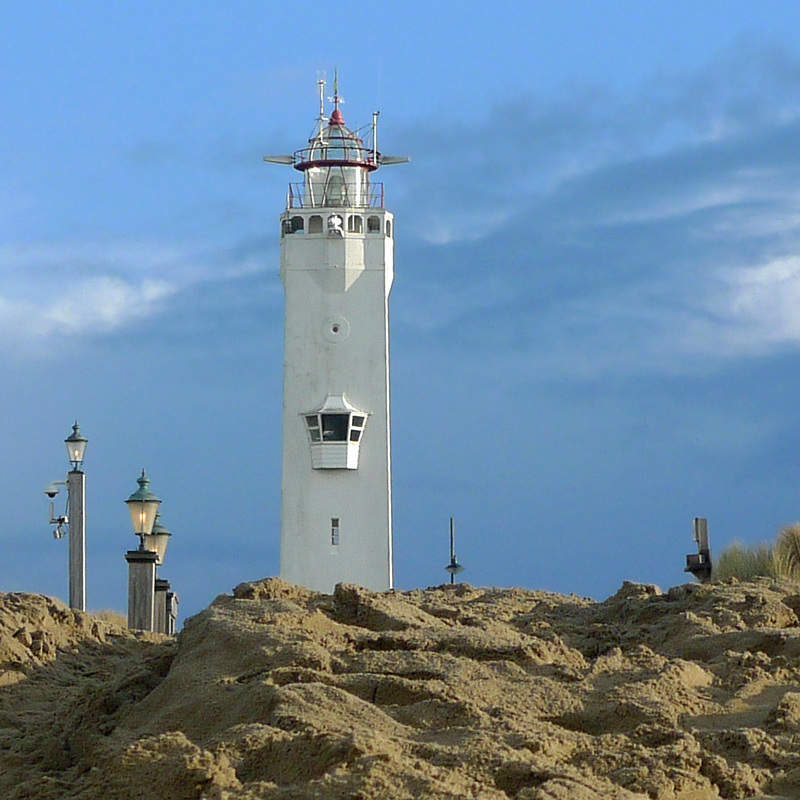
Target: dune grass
(780, 559)
(112, 616)
(745, 562)
(787, 551)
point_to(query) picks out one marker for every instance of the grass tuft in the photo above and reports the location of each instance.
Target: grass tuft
(112, 616)
(787, 551)
(746, 562)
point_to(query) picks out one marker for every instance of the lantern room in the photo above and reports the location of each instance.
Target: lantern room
(336, 164)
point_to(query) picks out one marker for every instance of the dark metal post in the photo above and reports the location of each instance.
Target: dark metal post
(700, 565)
(452, 550)
(453, 567)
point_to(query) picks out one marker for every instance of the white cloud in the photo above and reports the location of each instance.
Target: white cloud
(105, 303)
(117, 257)
(659, 142)
(755, 310)
(72, 290)
(465, 226)
(90, 305)
(681, 204)
(677, 325)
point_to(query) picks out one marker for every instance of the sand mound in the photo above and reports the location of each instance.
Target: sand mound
(452, 692)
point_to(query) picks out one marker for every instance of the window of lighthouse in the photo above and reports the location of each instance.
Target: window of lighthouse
(312, 420)
(292, 225)
(334, 427)
(335, 193)
(354, 223)
(334, 531)
(335, 432)
(315, 224)
(356, 427)
(373, 225)
(389, 228)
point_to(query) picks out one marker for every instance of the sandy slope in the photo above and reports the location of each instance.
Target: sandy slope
(451, 692)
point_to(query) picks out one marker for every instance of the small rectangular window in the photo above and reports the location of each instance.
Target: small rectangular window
(312, 420)
(358, 422)
(335, 531)
(355, 435)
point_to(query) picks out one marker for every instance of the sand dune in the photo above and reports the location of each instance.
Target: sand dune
(275, 692)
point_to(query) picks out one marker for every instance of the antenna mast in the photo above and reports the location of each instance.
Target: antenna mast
(321, 84)
(375, 115)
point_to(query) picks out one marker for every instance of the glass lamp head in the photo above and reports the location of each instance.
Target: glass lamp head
(158, 539)
(143, 505)
(76, 446)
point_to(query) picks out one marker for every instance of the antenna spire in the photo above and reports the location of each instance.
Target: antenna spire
(336, 115)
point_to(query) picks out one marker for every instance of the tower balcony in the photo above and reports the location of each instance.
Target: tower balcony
(334, 433)
(300, 195)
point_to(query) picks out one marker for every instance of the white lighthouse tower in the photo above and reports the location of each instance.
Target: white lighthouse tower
(337, 267)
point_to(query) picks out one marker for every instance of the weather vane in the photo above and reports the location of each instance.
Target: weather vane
(336, 99)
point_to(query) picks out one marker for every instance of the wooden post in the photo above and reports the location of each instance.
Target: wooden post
(141, 588)
(160, 624)
(76, 488)
(172, 612)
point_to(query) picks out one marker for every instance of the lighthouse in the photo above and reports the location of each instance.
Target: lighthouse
(337, 268)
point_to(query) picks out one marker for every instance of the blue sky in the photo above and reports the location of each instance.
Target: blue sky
(595, 328)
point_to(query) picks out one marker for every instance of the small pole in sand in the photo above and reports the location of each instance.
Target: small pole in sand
(453, 567)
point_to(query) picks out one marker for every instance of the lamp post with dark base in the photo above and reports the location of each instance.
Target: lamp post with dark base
(143, 506)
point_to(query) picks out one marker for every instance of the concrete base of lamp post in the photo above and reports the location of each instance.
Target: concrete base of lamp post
(166, 613)
(141, 589)
(172, 612)
(161, 622)
(76, 490)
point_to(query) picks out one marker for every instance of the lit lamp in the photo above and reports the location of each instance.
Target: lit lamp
(158, 539)
(143, 505)
(165, 602)
(76, 446)
(75, 518)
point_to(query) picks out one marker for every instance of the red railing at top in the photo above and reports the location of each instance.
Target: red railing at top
(298, 197)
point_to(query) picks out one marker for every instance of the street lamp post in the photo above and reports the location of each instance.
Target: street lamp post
(76, 492)
(74, 520)
(143, 506)
(166, 601)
